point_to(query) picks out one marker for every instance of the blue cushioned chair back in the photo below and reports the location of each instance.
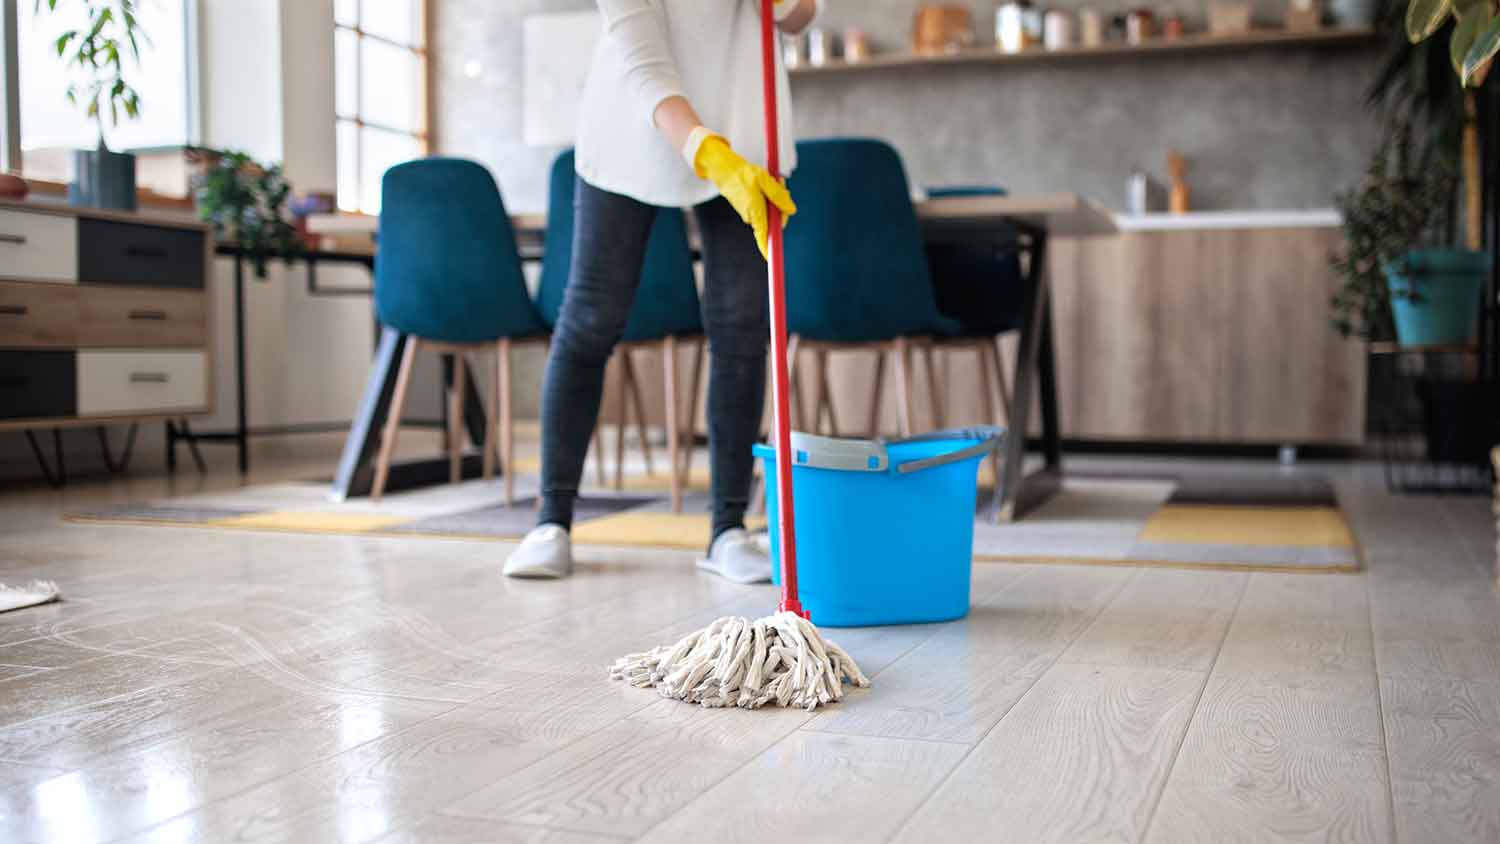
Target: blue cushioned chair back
(978, 282)
(667, 301)
(448, 268)
(856, 270)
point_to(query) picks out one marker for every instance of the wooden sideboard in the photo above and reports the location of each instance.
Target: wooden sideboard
(1217, 336)
(104, 317)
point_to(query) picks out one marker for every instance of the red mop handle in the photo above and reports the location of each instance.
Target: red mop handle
(786, 534)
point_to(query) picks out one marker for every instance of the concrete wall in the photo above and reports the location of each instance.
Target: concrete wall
(1261, 129)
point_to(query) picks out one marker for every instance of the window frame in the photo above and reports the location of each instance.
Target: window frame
(422, 134)
(12, 159)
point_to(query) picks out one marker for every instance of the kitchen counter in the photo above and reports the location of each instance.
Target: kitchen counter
(1200, 220)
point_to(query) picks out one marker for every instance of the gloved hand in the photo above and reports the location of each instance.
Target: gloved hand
(747, 186)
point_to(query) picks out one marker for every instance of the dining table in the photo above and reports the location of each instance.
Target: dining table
(1023, 221)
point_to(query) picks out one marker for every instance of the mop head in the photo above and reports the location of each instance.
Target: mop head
(780, 659)
(28, 595)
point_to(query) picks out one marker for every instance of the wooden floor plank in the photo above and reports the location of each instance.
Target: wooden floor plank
(1444, 738)
(1081, 758)
(627, 778)
(1430, 630)
(202, 765)
(960, 682)
(393, 782)
(1293, 623)
(1163, 619)
(1280, 758)
(817, 787)
(447, 829)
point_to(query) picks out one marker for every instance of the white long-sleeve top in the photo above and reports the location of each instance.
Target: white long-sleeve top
(705, 50)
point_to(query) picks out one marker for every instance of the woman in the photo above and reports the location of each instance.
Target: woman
(674, 91)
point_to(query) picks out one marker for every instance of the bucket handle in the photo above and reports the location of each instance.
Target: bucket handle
(989, 441)
(835, 453)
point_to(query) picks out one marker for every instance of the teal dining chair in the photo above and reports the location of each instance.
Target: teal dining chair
(859, 272)
(978, 283)
(665, 314)
(449, 277)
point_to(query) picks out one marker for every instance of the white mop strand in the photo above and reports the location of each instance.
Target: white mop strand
(734, 661)
(28, 595)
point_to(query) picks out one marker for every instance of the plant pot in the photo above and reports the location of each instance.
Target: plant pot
(103, 179)
(1352, 14)
(1435, 295)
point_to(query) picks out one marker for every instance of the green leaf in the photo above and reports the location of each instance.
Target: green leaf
(1482, 52)
(1470, 24)
(1424, 17)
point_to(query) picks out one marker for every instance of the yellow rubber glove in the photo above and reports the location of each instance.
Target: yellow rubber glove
(747, 186)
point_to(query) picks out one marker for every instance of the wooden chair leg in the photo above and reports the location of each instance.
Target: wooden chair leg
(507, 420)
(456, 420)
(877, 392)
(903, 385)
(393, 420)
(934, 388)
(691, 427)
(669, 386)
(825, 395)
(987, 379)
(993, 347)
(491, 397)
(640, 412)
(622, 421)
(794, 385)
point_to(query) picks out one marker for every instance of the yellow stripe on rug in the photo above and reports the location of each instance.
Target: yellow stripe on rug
(662, 530)
(304, 521)
(1199, 524)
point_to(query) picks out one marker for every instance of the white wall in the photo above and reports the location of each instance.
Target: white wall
(266, 87)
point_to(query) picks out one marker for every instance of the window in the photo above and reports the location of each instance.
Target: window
(380, 97)
(50, 126)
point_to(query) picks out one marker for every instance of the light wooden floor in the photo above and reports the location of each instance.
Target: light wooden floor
(216, 686)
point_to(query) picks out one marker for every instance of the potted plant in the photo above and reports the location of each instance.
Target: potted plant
(1403, 277)
(95, 53)
(246, 202)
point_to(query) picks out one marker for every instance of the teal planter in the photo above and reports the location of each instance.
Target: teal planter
(1447, 284)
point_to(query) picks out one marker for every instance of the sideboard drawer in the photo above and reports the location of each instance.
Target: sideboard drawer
(36, 385)
(38, 247)
(114, 383)
(37, 315)
(141, 318)
(138, 255)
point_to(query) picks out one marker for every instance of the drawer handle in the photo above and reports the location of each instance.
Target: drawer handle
(148, 314)
(145, 252)
(17, 239)
(148, 378)
(13, 310)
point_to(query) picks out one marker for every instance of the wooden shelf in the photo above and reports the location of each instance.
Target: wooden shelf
(1330, 37)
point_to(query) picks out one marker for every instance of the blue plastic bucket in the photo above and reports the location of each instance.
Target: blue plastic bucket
(885, 530)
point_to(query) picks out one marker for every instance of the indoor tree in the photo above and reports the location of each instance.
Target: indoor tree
(95, 52)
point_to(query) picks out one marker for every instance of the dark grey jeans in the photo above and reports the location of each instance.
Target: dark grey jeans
(609, 246)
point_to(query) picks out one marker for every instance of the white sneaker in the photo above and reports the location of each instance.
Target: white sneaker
(546, 552)
(735, 556)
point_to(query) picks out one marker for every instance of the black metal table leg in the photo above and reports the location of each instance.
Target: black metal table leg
(1047, 389)
(242, 428)
(364, 434)
(55, 479)
(192, 441)
(117, 467)
(1017, 493)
